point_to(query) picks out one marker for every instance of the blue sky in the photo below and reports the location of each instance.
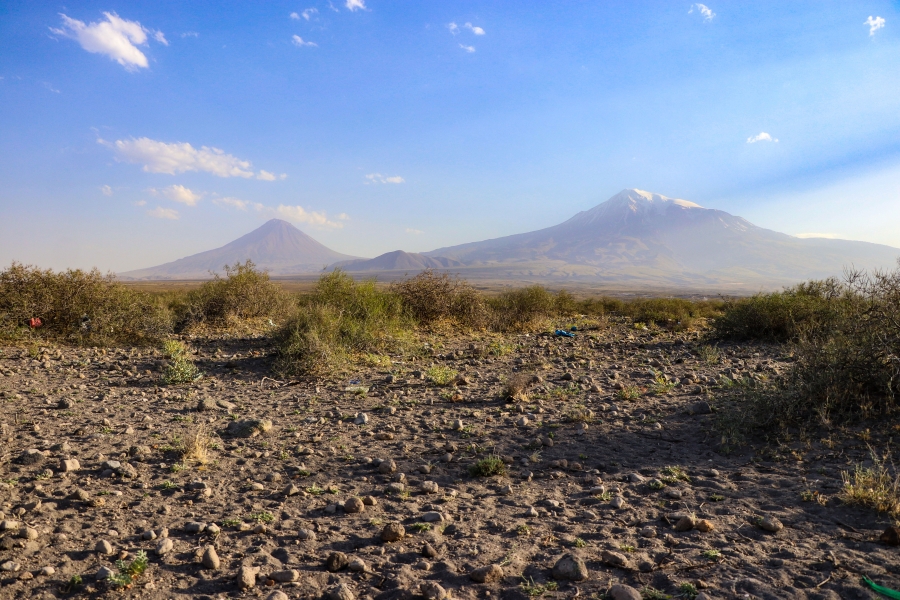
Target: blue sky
(137, 133)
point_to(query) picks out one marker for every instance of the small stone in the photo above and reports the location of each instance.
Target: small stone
(148, 535)
(10, 566)
(387, 467)
(358, 565)
(428, 551)
(456, 425)
(699, 408)
(523, 421)
(433, 591)
(292, 490)
(194, 527)
(354, 505)
(361, 419)
(570, 568)
(47, 571)
(69, 465)
(384, 436)
(648, 532)
(395, 488)
(164, 547)
(891, 536)
(28, 533)
(532, 512)
(686, 523)
(103, 547)
(617, 502)
(370, 501)
(7, 525)
(614, 559)
(432, 516)
(306, 534)
(32, 456)
(277, 595)
(341, 592)
(336, 561)
(488, 574)
(246, 577)
(624, 592)
(393, 532)
(771, 524)
(210, 558)
(430, 487)
(285, 576)
(704, 526)
(104, 573)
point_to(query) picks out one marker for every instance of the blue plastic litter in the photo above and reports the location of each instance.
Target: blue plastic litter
(563, 333)
(354, 381)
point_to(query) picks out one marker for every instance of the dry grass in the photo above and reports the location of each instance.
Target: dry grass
(196, 447)
(516, 388)
(876, 487)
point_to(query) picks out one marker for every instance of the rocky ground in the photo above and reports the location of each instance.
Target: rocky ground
(612, 483)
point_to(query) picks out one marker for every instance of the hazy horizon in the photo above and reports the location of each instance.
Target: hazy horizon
(138, 134)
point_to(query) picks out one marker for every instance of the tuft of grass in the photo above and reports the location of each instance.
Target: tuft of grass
(440, 374)
(687, 590)
(536, 590)
(196, 447)
(876, 487)
(674, 474)
(261, 517)
(421, 527)
(629, 392)
(651, 593)
(180, 369)
(488, 467)
(710, 554)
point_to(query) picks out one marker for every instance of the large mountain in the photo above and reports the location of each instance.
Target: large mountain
(398, 260)
(640, 236)
(277, 246)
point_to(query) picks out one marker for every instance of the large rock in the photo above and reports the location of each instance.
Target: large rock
(393, 532)
(570, 568)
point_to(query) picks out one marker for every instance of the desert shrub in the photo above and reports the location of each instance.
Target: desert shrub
(244, 293)
(431, 297)
(488, 467)
(180, 369)
(339, 319)
(527, 307)
(83, 307)
(805, 309)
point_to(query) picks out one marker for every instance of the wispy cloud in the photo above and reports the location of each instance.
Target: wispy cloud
(453, 27)
(306, 14)
(874, 24)
(762, 136)
(116, 38)
(355, 5)
(474, 29)
(830, 236)
(298, 41)
(163, 213)
(414, 231)
(704, 10)
(467, 48)
(379, 178)
(106, 190)
(181, 194)
(295, 214)
(140, 203)
(188, 34)
(179, 157)
(50, 87)
(266, 176)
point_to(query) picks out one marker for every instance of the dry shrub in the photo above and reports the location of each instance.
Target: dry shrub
(340, 319)
(516, 388)
(196, 447)
(523, 308)
(431, 297)
(82, 307)
(244, 293)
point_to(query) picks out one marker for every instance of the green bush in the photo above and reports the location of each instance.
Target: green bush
(82, 307)
(244, 293)
(526, 307)
(806, 309)
(339, 319)
(181, 368)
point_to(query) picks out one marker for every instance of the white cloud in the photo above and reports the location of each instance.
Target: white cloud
(50, 87)
(469, 49)
(704, 10)
(161, 157)
(188, 34)
(830, 236)
(762, 136)
(414, 231)
(874, 24)
(160, 37)
(163, 213)
(355, 5)
(379, 178)
(236, 203)
(295, 16)
(298, 41)
(106, 190)
(453, 27)
(309, 12)
(117, 38)
(473, 29)
(298, 214)
(179, 193)
(295, 214)
(266, 176)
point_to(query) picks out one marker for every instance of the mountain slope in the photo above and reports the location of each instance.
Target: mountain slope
(399, 260)
(638, 231)
(276, 246)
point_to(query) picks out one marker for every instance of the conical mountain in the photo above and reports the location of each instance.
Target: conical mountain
(276, 246)
(638, 234)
